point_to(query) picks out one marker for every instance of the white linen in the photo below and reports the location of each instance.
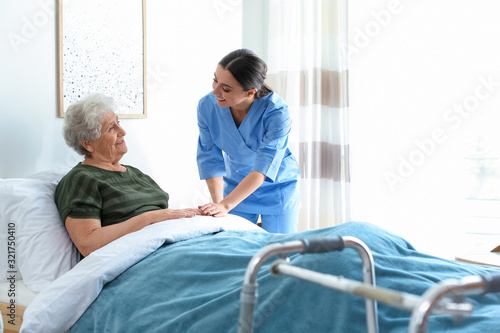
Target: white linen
(62, 303)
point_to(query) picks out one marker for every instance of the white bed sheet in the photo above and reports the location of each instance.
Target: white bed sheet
(61, 304)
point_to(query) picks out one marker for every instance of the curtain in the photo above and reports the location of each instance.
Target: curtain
(307, 60)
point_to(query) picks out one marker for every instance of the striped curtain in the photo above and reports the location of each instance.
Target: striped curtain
(307, 60)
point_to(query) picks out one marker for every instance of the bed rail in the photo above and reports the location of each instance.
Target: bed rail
(248, 296)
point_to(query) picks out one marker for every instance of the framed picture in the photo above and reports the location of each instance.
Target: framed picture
(101, 47)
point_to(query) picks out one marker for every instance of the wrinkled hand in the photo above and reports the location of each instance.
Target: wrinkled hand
(195, 211)
(179, 213)
(214, 209)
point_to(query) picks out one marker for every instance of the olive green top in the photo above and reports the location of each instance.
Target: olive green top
(88, 192)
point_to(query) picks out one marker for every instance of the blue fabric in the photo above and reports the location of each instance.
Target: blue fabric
(260, 144)
(280, 224)
(194, 286)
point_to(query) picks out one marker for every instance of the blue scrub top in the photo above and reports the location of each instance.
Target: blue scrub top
(260, 143)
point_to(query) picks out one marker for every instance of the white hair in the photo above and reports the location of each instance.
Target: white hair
(82, 121)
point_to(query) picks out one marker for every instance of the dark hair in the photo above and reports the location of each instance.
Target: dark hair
(248, 69)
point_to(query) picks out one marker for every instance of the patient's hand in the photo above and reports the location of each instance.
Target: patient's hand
(196, 211)
(178, 213)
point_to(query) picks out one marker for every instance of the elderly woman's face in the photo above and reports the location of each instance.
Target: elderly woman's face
(110, 146)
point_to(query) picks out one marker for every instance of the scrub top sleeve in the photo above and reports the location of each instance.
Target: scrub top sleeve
(209, 157)
(274, 143)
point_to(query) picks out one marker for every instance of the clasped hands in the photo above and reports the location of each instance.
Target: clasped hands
(213, 209)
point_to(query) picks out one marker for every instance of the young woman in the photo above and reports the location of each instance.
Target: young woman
(243, 146)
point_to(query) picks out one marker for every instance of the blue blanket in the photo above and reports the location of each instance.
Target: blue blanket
(194, 286)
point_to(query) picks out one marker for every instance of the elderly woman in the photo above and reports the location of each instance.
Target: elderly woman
(100, 199)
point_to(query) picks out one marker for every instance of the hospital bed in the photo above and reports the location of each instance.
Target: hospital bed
(187, 275)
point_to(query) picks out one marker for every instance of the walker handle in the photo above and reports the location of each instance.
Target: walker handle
(322, 244)
(491, 283)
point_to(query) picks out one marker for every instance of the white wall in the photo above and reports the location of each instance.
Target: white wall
(408, 69)
(413, 64)
(185, 40)
(254, 29)
(30, 133)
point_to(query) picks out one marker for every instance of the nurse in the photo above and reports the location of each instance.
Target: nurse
(243, 146)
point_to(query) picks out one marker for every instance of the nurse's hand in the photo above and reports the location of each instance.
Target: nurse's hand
(214, 209)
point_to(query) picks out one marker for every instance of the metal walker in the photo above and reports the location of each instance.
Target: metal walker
(443, 298)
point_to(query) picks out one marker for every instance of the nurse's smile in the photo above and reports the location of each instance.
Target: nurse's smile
(229, 92)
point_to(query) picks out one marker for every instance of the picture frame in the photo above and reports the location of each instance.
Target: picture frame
(101, 48)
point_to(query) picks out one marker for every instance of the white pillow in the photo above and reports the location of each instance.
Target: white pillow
(8, 254)
(44, 250)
